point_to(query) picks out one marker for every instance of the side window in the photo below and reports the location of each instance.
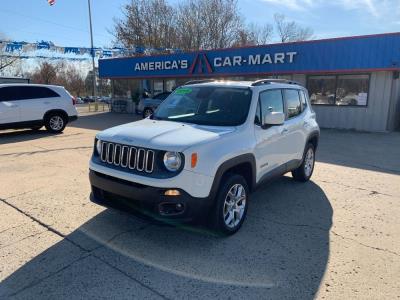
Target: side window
(10, 93)
(292, 99)
(271, 101)
(303, 100)
(35, 92)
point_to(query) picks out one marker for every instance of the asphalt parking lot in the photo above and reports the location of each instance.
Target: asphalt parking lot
(335, 237)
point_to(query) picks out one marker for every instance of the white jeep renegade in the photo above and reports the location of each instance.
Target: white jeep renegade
(207, 146)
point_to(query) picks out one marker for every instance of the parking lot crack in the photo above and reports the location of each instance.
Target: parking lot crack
(365, 245)
(336, 234)
(131, 277)
(40, 280)
(23, 239)
(13, 227)
(48, 227)
(371, 192)
(45, 151)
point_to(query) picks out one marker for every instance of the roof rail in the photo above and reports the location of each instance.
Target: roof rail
(272, 80)
(199, 81)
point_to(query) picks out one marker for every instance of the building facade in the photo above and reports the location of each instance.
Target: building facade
(353, 82)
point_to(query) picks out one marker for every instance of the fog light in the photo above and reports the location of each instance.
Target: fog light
(172, 193)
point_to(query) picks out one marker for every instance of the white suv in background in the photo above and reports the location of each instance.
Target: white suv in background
(34, 105)
(207, 146)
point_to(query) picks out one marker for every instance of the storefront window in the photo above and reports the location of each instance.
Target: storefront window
(322, 89)
(352, 90)
(343, 90)
(158, 87)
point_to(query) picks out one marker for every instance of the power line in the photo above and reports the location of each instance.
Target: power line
(6, 11)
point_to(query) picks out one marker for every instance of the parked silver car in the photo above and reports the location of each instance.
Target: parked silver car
(147, 106)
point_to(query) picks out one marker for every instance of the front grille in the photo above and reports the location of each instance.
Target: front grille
(124, 156)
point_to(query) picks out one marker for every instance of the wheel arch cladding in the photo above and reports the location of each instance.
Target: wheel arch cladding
(244, 165)
(56, 111)
(313, 138)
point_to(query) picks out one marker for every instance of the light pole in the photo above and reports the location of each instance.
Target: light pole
(92, 52)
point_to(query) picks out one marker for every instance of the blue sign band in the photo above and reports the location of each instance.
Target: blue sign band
(351, 54)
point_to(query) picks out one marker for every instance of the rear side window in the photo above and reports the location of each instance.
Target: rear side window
(15, 93)
(35, 92)
(303, 100)
(292, 102)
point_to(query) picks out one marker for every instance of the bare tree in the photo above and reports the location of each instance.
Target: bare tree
(223, 22)
(45, 73)
(290, 31)
(146, 23)
(260, 35)
(191, 27)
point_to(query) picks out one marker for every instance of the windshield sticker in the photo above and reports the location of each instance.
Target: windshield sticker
(183, 91)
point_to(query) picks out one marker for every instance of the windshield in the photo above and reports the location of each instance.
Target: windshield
(206, 105)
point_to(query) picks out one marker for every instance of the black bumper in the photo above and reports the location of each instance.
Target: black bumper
(148, 200)
(72, 118)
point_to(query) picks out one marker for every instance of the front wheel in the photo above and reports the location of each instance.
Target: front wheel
(231, 204)
(305, 171)
(55, 123)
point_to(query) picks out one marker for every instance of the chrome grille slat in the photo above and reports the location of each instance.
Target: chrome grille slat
(103, 155)
(110, 153)
(124, 156)
(149, 161)
(117, 154)
(132, 158)
(140, 159)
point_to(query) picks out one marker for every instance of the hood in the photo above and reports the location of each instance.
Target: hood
(163, 135)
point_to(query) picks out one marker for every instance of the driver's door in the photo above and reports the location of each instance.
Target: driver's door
(270, 151)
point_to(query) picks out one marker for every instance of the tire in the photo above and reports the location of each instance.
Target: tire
(55, 122)
(36, 128)
(223, 210)
(147, 112)
(306, 169)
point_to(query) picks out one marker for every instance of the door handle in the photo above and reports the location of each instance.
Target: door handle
(46, 102)
(285, 130)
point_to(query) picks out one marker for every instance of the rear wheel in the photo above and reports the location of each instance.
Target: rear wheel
(147, 112)
(55, 122)
(231, 204)
(305, 171)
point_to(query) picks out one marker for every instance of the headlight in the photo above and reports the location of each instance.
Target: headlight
(98, 147)
(172, 161)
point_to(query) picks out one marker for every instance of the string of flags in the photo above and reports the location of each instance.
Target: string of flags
(21, 47)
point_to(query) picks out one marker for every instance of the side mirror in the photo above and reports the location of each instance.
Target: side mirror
(274, 118)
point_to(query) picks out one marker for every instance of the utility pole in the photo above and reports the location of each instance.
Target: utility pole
(92, 51)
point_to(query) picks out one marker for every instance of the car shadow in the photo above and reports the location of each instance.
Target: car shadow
(280, 252)
(101, 121)
(16, 136)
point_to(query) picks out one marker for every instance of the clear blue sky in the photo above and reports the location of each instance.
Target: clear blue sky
(66, 23)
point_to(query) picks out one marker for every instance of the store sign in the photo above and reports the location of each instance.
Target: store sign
(357, 53)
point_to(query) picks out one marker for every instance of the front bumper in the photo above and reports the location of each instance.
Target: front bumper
(72, 118)
(149, 200)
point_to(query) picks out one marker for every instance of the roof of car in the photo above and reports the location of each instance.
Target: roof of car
(29, 84)
(233, 83)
